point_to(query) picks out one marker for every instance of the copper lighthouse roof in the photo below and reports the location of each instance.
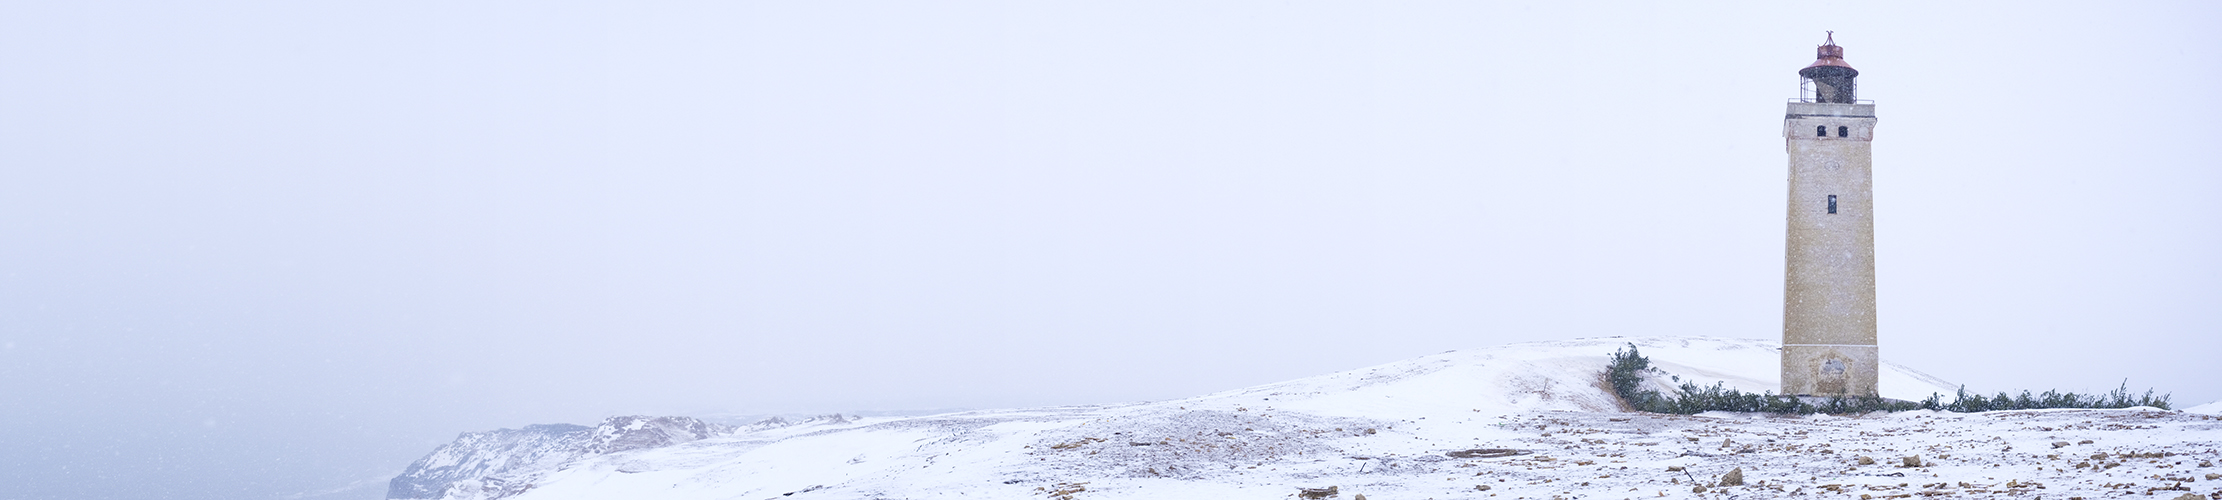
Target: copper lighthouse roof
(1829, 55)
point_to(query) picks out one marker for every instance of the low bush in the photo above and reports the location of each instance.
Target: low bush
(1625, 374)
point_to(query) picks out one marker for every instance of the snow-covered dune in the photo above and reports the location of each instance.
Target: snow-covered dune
(1387, 431)
(1535, 376)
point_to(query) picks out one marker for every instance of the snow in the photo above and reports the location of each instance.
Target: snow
(1383, 431)
(2214, 408)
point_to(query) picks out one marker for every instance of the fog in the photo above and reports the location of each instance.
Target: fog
(282, 249)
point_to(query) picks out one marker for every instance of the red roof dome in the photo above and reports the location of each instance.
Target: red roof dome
(1828, 55)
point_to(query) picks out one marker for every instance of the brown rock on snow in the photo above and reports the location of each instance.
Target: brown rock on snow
(1912, 461)
(1863, 460)
(1734, 477)
(1485, 453)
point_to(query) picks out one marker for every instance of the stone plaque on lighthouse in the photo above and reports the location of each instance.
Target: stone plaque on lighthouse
(1828, 310)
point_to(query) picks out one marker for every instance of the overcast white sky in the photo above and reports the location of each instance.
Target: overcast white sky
(252, 250)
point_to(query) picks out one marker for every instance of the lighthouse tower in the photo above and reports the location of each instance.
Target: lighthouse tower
(1828, 309)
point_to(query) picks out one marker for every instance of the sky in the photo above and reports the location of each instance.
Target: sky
(281, 249)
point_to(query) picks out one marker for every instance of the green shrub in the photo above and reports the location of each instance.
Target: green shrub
(1625, 374)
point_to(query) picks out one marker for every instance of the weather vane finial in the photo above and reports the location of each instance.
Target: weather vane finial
(1832, 38)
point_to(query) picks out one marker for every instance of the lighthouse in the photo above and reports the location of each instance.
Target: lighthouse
(1828, 300)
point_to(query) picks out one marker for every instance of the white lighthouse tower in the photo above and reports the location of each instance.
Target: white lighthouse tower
(1828, 310)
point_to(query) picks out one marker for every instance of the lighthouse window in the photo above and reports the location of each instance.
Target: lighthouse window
(1832, 203)
(1842, 131)
(1821, 131)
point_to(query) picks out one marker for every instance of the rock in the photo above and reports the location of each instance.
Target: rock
(1734, 477)
(1360, 496)
(1699, 489)
(1317, 493)
(2191, 496)
(1674, 468)
(1485, 453)
(2059, 444)
(1912, 461)
(2086, 441)
(1863, 460)
(2211, 477)
(1481, 487)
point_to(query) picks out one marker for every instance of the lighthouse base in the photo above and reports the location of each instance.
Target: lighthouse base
(1829, 370)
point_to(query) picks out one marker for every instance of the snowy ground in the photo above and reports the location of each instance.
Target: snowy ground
(1389, 432)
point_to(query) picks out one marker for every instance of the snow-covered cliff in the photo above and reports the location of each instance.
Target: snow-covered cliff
(1532, 419)
(504, 462)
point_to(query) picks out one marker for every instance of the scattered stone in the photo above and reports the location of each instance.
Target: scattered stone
(2191, 496)
(1317, 493)
(1059, 491)
(1674, 468)
(2099, 456)
(1699, 489)
(2086, 441)
(2204, 463)
(1863, 460)
(2211, 477)
(1360, 496)
(1481, 487)
(1486, 453)
(1734, 477)
(1912, 461)
(2059, 444)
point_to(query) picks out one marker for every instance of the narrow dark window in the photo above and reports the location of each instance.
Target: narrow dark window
(1843, 131)
(1832, 203)
(1821, 131)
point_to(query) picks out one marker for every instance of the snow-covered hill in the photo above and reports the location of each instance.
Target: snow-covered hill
(1407, 429)
(505, 462)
